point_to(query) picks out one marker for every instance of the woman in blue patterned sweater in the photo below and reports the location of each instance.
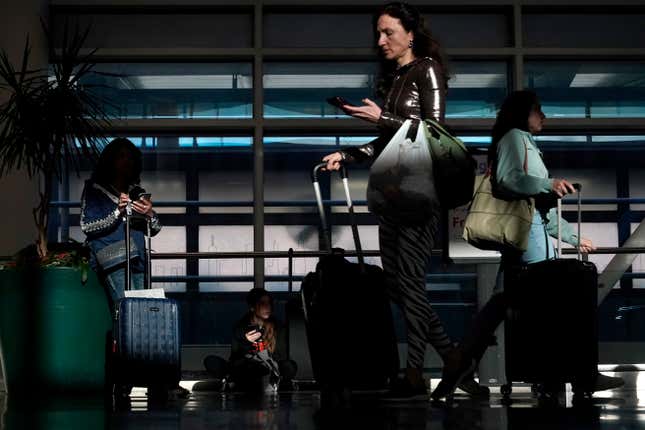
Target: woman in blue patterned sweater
(103, 206)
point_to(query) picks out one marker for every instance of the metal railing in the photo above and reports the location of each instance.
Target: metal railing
(291, 255)
(312, 203)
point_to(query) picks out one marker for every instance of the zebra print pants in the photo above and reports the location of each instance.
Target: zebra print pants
(405, 252)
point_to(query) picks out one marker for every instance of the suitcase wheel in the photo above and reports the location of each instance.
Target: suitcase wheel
(535, 389)
(506, 390)
(580, 393)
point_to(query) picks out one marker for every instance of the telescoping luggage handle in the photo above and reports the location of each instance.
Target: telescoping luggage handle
(350, 207)
(128, 275)
(577, 187)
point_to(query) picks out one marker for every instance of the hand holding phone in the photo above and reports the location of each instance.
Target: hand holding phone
(254, 333)
(339, 102)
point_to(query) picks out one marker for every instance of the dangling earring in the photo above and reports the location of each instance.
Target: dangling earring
(411, 44)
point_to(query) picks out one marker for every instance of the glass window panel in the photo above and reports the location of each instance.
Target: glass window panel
(637, 187)
(165, 186)
(313, 143)
(288, 165)
(283, 237)
(300, 89)
(603, 235)
(225, 238)
(619, 141)
(226, 173)
(169, 239)
(476, 89)
(341, 237)
(476, 140)
(223, 142)
(312, 30)
(355, 30)
(224, 29)
(583, 30)
(638, 265)
(284, 185)
(470, 30)
(590, 89)
(358, 178)
(596, 183)
(590, 142)
(175, 90)
(76, 185)
(231, 186)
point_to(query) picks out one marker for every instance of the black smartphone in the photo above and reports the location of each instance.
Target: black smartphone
(339, 102)
(145, 196)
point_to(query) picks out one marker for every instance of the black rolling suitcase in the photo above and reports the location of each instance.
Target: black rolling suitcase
(348, 318)
(146, 342)
(551, 329)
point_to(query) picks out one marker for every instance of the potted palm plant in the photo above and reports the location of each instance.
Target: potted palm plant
(53, 316)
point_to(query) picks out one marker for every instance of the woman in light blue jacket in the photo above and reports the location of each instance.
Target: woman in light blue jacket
(519, 173)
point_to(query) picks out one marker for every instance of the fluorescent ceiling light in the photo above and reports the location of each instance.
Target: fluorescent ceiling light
(478, 80)
(316, 81)
(581, 139)
(586, 80)
(185, 82)
(618, 138)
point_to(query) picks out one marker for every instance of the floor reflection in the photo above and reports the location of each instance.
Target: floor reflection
(207, 409)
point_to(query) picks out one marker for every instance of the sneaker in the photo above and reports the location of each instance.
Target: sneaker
(472, 387)
(402, 390)
(604, 382)
(454, 372)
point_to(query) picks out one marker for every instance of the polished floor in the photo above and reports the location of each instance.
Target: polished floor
(208, 409)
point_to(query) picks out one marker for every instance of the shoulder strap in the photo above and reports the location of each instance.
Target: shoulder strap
(526, 156)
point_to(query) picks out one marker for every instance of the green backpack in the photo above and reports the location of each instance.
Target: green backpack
(453, 167)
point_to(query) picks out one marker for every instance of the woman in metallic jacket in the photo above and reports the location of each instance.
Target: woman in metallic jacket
(413, 82)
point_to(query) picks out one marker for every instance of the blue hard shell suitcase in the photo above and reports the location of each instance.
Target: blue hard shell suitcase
(147, 342)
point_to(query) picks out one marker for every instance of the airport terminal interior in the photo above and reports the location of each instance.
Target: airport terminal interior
(226, 100)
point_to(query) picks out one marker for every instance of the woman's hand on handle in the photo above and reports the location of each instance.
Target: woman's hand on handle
(562, 187)
(123, 202)
(333, 161)
(586, 245)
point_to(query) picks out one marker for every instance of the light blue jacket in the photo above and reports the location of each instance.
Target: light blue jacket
(512, 150)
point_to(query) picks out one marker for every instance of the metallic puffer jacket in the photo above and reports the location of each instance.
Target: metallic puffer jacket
(418, 92)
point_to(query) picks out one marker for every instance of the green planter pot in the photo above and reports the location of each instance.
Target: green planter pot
(53, 330)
